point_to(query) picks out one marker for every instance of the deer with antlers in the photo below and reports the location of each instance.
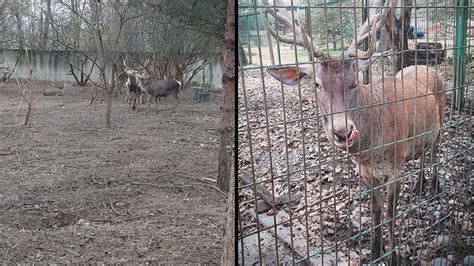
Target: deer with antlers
(153, 88)
(134, 92)
(381, 125)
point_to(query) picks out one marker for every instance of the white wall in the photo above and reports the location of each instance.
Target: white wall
(50, 67)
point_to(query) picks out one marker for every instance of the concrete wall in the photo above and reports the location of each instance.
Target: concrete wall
(48, 66)
(210, 74)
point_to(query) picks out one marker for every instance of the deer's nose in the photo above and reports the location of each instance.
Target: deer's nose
(341, 134)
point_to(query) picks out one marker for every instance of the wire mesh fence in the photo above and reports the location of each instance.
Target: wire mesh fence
(355, 133)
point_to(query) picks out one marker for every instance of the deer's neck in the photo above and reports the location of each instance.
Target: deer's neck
(368, 116)
(141, 84)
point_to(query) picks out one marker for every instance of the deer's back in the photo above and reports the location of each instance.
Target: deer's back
(424, 100)
(163, 88)
(401, 109)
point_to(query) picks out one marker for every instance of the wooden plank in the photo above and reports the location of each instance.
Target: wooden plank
(261, 191)
(267, 196)
(299, 238)
(262, 206)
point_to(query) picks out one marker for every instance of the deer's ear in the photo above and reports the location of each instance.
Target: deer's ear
(287, 75)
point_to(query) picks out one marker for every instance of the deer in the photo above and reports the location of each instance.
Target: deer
(158, 88)
(380, 125)
(144, 84)
(133, 90)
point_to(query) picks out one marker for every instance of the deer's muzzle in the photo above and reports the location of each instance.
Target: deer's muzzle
(345, 137)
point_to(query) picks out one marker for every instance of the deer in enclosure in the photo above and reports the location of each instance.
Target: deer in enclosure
(121, 79)
(381, 125)
(158, 88)
(133, 90)
(141, 85)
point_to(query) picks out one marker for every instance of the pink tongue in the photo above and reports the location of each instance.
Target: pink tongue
(353, 135)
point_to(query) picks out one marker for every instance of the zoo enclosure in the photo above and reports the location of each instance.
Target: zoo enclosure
(299, 199)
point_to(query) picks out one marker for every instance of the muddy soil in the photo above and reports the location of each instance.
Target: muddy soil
(74, 191)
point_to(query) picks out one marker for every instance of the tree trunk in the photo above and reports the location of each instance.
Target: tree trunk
(21, 37)
(242, 57)
(405, 21)
(28, 113)
(41, 25)
(110, 92)
(228, 101)
(109, 107)
(47, 21)
(333, 40)
(228, 254)
(75, 5)
(395, 32)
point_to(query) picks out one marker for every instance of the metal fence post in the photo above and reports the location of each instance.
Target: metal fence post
(459, 59)
(270, 46)
(365, 14)
(249, 36)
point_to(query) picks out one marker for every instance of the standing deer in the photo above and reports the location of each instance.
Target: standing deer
(158, 88)
(133, 90)
(381, 125)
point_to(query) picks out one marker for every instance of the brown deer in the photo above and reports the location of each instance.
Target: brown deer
(381, 125)
(145, 84)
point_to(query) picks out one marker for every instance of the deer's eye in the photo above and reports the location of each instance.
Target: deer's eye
(316, 85)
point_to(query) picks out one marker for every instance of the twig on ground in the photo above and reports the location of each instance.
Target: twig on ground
(209, 179)
(93, 179)
(107, 220)
(189, 175)
(88, 129)
(20, 145)
(6, 136)
(136, 217)
(191, 185)
(246, 226)
(113, 209)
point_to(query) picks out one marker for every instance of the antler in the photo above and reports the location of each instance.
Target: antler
(125, 64)
(145, 66)
(369, 30)
(300, 37)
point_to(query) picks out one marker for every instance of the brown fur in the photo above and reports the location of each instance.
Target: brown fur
(393, 125)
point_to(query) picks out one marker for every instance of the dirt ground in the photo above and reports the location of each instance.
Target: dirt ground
(73, 191)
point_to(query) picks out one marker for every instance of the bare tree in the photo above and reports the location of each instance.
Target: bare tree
(228, 253)
(29, 94)
(6, 72)
(175, 53)
(394, 32)
(228, 101)
(104, 24)
(226, 168)
(83, 75)
(47, 22)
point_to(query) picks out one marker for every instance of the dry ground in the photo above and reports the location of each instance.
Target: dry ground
(73, 191)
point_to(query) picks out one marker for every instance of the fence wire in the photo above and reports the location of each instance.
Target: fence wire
(304, 200)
